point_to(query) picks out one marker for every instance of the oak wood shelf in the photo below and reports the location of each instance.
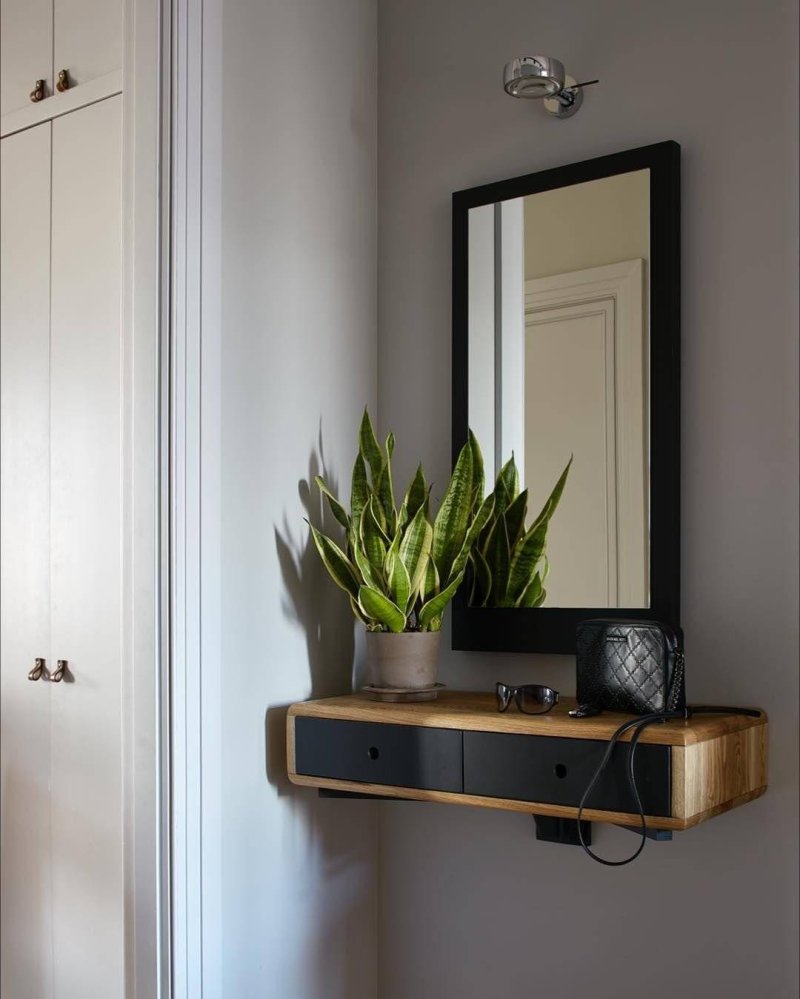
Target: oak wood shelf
(715, 762)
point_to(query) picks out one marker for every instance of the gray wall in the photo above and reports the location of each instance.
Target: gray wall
(289, 247)
(470, 904)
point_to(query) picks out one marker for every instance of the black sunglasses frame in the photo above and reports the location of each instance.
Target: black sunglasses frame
(506, 693)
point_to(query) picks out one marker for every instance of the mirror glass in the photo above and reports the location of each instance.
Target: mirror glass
(558, 348)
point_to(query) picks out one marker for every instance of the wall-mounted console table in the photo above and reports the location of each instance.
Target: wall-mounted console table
(460, 750)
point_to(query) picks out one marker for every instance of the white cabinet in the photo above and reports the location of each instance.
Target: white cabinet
(62, 860)
(39, 38)
(25, 877)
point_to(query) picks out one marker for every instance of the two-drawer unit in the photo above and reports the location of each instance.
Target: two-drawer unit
(459, 749)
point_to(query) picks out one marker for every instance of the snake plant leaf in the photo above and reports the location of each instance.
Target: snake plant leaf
(506, 488)
(399, 582)
(341, 569)
(373, 541)
(551, 503)
(380, 608)
(370, 574)
(482, 580)
(432, 582)
(358, 613)
(359, 494)
(498, 557)
(478, 477)
(452, 520)
(533, 594)
(369, 447)
(385, 493)
(416, 494)
(480, 520)
(390, 442)
(435, 607)
(525, 560)
(415, 548)
(515, 518)
(337, 509)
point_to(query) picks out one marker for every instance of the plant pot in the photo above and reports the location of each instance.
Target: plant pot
(408, 659)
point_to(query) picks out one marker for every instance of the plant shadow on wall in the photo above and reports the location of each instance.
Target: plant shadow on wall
(314, 607)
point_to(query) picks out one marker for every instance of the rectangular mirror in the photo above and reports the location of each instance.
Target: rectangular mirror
(566, 339)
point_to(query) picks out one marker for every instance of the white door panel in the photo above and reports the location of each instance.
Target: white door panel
(87, 38)
(25, 886)
(26, 50)
(86, 552)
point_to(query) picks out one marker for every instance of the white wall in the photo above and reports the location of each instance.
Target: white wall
(289, 244)
(470, 904)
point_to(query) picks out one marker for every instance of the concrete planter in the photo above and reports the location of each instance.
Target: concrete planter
(406, 660)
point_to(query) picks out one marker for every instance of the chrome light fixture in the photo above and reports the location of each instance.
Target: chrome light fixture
(544, 77)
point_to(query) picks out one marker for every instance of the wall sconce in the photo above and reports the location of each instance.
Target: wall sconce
(544, 78)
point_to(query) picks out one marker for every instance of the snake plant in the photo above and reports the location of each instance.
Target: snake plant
(399, 567)
(508, 564)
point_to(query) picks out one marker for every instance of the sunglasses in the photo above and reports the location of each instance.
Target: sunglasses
(531, 698)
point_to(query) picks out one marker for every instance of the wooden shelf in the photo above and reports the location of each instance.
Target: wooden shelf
(459, 749)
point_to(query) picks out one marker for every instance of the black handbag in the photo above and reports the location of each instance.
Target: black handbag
(637, 667)
(631, 666)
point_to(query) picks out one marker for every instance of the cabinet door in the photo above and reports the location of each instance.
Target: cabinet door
(26, 50)
(86, 541)
(87, 38)
(25, 876)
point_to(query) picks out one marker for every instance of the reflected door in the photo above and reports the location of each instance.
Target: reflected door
(585, 377)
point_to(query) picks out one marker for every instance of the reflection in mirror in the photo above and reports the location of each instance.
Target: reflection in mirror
(558, 337)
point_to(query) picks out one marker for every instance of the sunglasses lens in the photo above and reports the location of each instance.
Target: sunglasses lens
(504, 694)
(536, 699)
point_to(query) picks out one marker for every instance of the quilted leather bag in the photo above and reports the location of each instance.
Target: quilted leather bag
(631, 666)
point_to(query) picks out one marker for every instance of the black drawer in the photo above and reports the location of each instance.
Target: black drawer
(400, 755)
(557, 771)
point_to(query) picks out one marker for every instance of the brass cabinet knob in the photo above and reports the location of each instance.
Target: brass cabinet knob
(38, 94)
(62, 83)
(39, 670)
(61, 670)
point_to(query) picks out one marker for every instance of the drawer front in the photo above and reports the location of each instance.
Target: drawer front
(557, 771)
(399, 755)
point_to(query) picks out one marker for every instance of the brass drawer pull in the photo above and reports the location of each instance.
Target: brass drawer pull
(61, 671)
(63, 82)
(38, 94)
(39, 670)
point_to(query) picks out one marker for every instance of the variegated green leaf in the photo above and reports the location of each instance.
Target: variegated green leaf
(385, 493)
(416, 493)
(479, 522)
(435, 607)
(399, 582)
(337, 509)
(506, 488)
(551, 503)
(380, 608)
(498, 557)
(369, 447)
(482, 582)
(515, 518)
(373, 541)
(415, 548)
(359, 494)
(431, 585)
(370, 574)
(341, 569)
(531, 594)
(526, 558)
(359, 614)
(452, 520)
(478, 478)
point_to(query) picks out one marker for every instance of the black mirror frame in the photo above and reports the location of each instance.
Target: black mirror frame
(552, 629)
